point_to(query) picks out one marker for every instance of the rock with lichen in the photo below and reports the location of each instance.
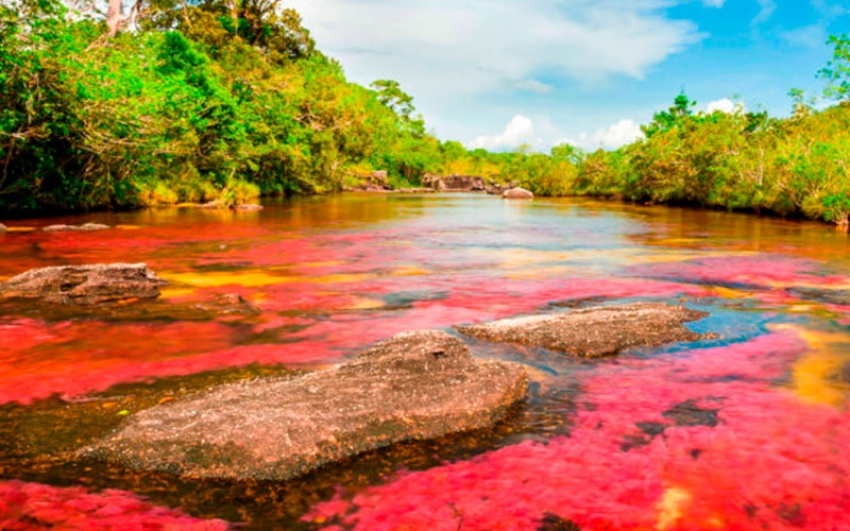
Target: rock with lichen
(414, 386)
(595, 332)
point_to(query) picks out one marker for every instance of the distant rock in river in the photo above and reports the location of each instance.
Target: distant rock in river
(414, 386)
(85, 227)
(595, 332)
(517, 193)
(84, 285)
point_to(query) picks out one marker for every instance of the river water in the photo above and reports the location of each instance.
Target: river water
(747, 431)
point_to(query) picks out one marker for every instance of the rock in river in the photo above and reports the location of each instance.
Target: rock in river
(85, 227)
(414, 386)
(517, 193)
(595, 332)
(84, 285)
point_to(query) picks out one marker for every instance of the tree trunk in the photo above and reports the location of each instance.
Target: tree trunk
(114, 17)
(234, 14)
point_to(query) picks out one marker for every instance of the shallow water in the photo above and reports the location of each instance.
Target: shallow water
(749, 431)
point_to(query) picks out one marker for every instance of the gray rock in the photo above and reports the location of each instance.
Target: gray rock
(377, 181)
(454, 183)
(85, 227)
(517, 193)
(84, 285)
(414, 386)
(595, 332)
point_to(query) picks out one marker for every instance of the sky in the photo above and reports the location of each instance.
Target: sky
(501, 73)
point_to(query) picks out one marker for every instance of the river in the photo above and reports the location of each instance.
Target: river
(747, 431)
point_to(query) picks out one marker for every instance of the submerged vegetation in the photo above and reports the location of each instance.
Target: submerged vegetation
(222, 100)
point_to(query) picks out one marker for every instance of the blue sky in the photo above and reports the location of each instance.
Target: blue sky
(498, 73)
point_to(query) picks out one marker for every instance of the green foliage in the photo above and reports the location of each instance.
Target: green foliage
(837, 71)
(666, 120)
(229, 100)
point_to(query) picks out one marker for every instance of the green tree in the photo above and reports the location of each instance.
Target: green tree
(837, 71)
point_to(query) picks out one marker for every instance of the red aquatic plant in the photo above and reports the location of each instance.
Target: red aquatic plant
(687, 441)
(32, 507)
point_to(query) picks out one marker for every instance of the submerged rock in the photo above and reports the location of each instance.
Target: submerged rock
(84, 285)
(517, 193)
(414, 386)
(227, 304)
(595, 332)
(85, 227)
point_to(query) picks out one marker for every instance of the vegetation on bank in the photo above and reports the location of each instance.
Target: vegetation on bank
(230, 99)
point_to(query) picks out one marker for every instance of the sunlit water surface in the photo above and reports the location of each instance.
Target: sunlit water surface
(749, 431)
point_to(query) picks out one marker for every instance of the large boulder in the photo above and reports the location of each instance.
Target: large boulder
(595, 332)
(84, 285)
(517, 193)
(414, 386)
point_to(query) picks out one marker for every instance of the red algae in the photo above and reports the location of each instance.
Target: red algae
(761, 271)
(124, 353)
(717, 438)
(32, 507)
(741, 455)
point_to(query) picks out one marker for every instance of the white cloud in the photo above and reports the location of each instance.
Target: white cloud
(520, 130)
(767, 9)
(812, 36)
(725, 105)
(618, 135)
(713, 3)
(532, 85)
(445, 48)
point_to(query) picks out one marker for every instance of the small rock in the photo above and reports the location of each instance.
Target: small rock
(85, 227)
(249, 207)
(517, 193)
(595, 332)
(3, 228)
(414, 386)
(84, 285)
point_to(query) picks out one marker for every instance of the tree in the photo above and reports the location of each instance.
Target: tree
(666, 120)
(837, 71)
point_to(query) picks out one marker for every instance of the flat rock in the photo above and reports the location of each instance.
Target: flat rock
(84, 285)
(85, 227)
(595, 332)
(414, 386)
(517, 193)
